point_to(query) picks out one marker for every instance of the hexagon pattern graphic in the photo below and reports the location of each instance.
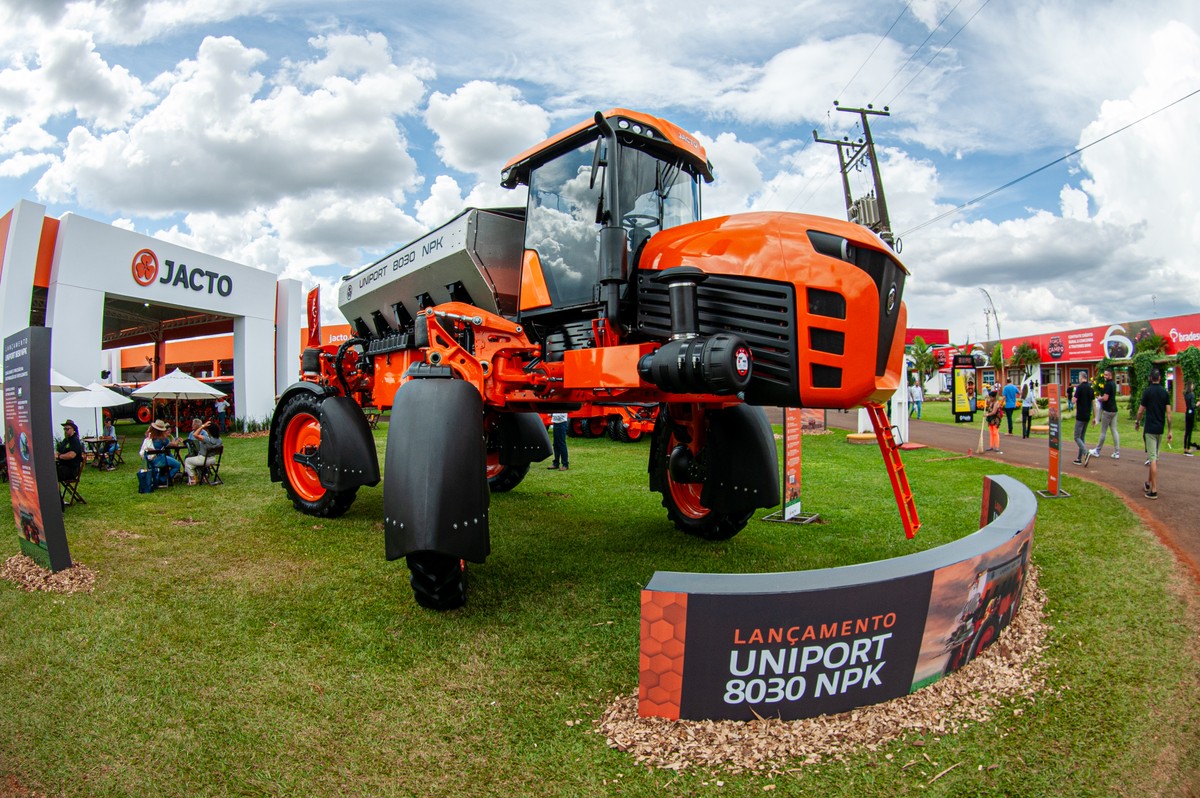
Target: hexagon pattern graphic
(660, 669)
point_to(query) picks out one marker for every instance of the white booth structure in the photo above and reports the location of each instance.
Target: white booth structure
(99, 287)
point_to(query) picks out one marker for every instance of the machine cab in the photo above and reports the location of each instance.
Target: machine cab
(597, 193)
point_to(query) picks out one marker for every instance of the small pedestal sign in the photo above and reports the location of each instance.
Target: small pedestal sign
(1053, 491)
(793, 432)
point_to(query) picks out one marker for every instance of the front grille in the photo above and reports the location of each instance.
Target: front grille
(761, 312)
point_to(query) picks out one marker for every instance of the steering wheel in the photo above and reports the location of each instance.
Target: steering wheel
(640, 221)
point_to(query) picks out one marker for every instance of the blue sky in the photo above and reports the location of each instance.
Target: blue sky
(309, 138)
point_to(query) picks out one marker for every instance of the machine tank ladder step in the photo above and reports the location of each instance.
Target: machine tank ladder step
(895, 468)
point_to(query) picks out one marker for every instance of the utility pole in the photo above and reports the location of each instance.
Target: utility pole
(870, 211)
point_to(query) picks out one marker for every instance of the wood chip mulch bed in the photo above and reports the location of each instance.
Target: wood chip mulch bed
(26, 574)
(1010, 672)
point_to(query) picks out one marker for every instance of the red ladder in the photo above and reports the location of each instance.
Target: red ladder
(895, 468)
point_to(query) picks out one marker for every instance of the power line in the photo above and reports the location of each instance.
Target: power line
(914, 52)
(825, 178)
(1044, 167)
(939, 51)
(871, 55)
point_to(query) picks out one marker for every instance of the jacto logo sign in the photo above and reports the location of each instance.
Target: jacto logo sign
(146, 271)
(145, 267)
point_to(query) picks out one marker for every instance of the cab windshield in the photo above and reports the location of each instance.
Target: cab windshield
(567, 207)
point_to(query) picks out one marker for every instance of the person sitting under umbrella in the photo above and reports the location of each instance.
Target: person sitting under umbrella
(205, 442)
(68, 455)
(154, 450)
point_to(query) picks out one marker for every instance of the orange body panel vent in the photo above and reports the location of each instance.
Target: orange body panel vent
(534, 291)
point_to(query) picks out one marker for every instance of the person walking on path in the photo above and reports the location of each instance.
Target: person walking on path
(1085, 397)
(915, 397)
(559, 420)
(1028, 402)
(1108, 415)
(1010, 401)
(1155, 408)
(1189, 416)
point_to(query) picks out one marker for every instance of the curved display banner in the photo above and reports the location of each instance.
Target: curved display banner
(29, 441)
(806, 643)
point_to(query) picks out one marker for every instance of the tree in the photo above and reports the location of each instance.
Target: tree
(924, 360)
(998, 361)
(1189, 363)
(1025, 357)
(1139, 377)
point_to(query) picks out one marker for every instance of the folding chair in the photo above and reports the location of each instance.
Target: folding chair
(70, 489)
(210, 472)
(156, 462)
(116, 458)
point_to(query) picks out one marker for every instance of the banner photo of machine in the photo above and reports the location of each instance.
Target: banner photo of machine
(29, 443)
(806, 643)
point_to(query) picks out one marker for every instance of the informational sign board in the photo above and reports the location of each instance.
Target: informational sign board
(963, 372)
(807, 643)
(1053, 488)
(793, 432)
(29, 445)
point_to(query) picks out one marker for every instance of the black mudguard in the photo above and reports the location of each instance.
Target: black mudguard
(348, 456)
(435, 472)
(522, 439)
(741, 461)
(273, 465)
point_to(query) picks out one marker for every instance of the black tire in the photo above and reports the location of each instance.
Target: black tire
(298, 431)
(439, 581)
(682, 500)
(502, 479)
(986, 636)
(616, 429)
(575, 428)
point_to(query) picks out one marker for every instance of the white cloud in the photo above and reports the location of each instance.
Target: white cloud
(444, 202)
(797, 84)
(23, 164)
(482, 124)
(223, 139)
(737, 178)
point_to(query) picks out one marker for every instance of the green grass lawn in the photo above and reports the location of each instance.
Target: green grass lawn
(235, 647)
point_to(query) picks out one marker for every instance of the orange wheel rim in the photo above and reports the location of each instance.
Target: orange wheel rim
(493, 464)
(686, 495)
(303, 436)
(687, 499)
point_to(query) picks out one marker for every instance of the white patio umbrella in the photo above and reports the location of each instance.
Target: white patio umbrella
(61, 383)
(95, 396)
(177, 385)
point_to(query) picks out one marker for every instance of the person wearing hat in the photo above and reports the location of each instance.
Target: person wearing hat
(154, 449)
(68, 455)
(995, 412)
